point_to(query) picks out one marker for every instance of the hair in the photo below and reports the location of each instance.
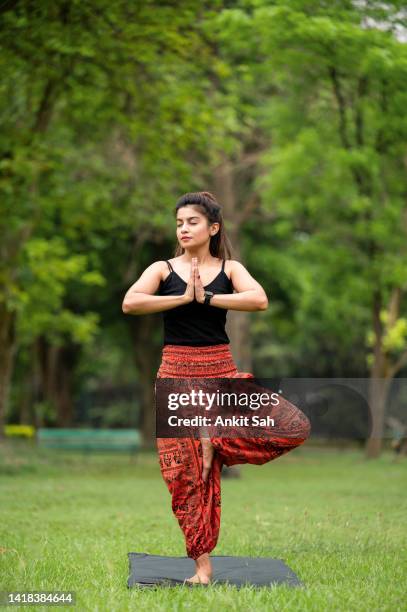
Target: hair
(205, 202)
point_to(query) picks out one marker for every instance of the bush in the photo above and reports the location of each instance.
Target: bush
(20, 431)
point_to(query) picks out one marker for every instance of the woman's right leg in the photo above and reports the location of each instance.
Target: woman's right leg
(292, 428)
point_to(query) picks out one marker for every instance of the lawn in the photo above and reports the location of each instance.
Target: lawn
(337, 520)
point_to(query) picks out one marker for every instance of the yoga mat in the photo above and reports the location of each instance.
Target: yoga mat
(152, 570)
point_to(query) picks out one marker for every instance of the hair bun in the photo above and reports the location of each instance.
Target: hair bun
(209, 195)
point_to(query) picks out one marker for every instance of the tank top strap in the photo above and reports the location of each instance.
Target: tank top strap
(223, 265)
(169, 265)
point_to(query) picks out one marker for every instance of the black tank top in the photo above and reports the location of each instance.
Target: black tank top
(195, 324)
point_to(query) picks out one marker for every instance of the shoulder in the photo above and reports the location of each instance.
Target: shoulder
(240, 276)
(160, 268)
(234, 264)
(233, 267)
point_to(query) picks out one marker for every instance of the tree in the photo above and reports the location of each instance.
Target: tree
(338, 166)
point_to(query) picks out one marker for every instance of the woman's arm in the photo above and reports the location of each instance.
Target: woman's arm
(250, 294)
(140, 298)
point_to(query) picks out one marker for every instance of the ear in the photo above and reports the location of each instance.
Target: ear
(214, 229)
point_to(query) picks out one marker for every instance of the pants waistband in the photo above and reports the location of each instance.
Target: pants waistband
(178, 349)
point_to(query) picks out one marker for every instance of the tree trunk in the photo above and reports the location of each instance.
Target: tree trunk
(7, 353)
(26, 399)
(238, 322)
(146, 357)
(63, 386)
(56, 367)
(373, 445)
(238, 329)
(378, 394)
(382, 372)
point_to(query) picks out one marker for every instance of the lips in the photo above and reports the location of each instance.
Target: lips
(186, 238)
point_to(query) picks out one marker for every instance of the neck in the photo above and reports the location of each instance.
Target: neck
(201, 253)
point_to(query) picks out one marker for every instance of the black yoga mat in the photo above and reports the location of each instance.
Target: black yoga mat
(152, 570)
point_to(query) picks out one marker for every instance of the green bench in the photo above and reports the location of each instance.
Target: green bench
(90, 440)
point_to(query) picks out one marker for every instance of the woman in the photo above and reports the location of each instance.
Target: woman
(195, 290)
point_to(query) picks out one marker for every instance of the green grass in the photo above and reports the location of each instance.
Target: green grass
(337, 520)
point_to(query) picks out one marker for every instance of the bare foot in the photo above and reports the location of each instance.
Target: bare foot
(203, 570)
(196, 579)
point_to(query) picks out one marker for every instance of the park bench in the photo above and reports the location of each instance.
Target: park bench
(90, 440)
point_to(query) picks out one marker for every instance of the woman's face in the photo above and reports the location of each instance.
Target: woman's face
(192, 227)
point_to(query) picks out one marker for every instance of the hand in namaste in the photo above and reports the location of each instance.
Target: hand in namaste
(194, 288)
(199, 289)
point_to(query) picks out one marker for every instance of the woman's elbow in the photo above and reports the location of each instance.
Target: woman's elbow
(263, 302)
(125, 307)
(129, 307)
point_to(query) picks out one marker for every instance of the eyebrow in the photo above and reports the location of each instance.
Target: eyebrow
(189, 218)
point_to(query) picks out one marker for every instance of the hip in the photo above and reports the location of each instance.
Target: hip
(214, 361)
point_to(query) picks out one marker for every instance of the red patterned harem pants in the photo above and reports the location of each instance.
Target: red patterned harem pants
(196, 504)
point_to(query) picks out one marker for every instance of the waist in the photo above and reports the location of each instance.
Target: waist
(195, 352)
(215, 361)
(196, 328)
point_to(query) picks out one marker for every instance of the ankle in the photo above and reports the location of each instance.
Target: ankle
(203, 565)
(203, 559)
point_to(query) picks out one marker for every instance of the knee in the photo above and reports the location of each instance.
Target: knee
(304, 428)
(307, 426)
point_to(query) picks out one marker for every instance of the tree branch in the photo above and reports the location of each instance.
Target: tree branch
(248, 208)
(43, 115)
(336, 84)
(359, 123)
(249, 159)
(8, 5)
(400, 363)
(394, 306)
